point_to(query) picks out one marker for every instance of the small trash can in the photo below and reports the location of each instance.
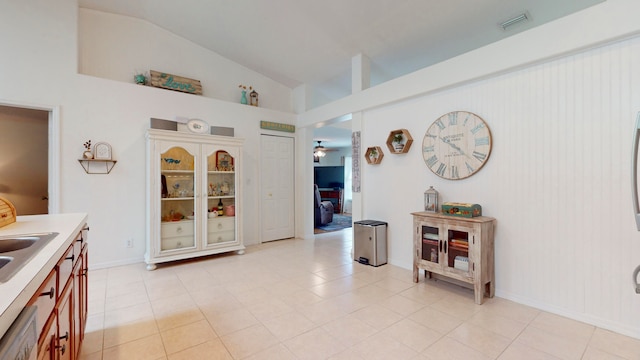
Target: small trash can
(370, 242)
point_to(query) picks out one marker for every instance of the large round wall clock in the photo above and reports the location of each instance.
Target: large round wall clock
(456, 145)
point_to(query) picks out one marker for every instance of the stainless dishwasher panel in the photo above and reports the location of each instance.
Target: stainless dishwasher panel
(21, 340)
(370, 242)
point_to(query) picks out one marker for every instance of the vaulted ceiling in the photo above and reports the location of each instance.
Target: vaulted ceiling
(297, 42)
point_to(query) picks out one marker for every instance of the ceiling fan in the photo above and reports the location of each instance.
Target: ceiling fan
(320, 151)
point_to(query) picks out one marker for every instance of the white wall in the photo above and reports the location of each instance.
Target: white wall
(558, 180)
(117, 47)
(42, 71)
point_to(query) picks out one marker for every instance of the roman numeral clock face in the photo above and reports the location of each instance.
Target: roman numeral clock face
(456, 145)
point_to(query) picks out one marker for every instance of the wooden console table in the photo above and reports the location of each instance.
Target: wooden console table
(335, 196)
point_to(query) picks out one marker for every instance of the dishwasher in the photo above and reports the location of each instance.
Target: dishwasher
(21, 339)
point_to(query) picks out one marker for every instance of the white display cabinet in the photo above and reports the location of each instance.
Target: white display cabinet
(194, 205)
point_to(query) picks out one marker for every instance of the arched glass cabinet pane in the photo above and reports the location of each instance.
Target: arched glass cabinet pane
(221, 196)
(178, 201)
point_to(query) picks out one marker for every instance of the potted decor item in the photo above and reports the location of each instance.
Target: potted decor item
(373, 154)
(397, 142)
(243, 95)
(140, 79)
(87, 154)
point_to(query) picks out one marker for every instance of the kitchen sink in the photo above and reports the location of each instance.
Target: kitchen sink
(13, 244)
(4, 260)
(17, 250)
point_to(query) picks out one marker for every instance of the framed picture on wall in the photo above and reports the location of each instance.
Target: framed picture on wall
(102, 151)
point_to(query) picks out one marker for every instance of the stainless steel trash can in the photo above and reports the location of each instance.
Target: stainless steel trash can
(370, 242)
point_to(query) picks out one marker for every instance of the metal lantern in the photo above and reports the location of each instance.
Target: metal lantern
(431, 200)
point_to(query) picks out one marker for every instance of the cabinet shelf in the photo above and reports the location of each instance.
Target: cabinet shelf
(177, 198)
(93, 166)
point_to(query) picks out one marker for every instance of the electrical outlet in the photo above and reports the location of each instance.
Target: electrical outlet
(129, 243)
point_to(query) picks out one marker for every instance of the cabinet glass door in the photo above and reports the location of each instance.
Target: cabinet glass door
(458, 249)
(178, 201)
(430, 242)
(221, 195)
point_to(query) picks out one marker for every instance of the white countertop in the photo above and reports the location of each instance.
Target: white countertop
(15, 293)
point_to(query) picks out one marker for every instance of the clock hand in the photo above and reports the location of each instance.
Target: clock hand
(454, 146)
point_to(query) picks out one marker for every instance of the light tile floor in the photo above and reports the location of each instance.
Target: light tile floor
(297, 299)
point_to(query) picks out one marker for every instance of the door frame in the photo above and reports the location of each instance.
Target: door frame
(53, 151)
(283, 135)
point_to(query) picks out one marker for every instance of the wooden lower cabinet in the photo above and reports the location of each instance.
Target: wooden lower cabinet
(47, 341)
(80, 282)
(64, 342)
(62, 304)
(457, 249)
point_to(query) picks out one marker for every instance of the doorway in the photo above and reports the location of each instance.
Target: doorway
(277, 187)
(24, 169)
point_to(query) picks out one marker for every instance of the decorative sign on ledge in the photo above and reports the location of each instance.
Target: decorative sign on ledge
(270, 125)
(174, 82)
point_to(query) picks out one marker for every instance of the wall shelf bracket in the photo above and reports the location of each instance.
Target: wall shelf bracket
(97, 166)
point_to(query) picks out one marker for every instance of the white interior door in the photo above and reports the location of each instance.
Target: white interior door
(277, 187)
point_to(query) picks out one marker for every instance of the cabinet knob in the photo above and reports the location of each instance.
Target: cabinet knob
(179, 229)
(49, 293)
(219, 226)
(65, 336)
(62, 348)
(70, 258)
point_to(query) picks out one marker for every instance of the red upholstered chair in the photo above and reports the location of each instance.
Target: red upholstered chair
(323, 209)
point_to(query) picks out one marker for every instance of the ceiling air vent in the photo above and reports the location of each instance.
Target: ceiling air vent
(515, 20)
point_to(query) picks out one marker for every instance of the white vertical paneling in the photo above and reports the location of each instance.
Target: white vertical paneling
(558, 180)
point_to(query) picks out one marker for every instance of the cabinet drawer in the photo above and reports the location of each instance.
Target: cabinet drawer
(177, 242)
(221, 224)
(180, 228)
(220, 236)
(45, 299)
(65, 268)
(78, 244)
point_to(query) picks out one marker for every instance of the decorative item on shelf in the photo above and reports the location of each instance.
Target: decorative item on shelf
(431, 200)
(224, 161)
(220, 208)
(373, 155)
(140, 78)
(87, 154)
(253, 95)
(461, 209)
(174, 82)
(399, 141)
(243, 94)
(164, 191)
(230, 210)
(198, 126)
(102, 151)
